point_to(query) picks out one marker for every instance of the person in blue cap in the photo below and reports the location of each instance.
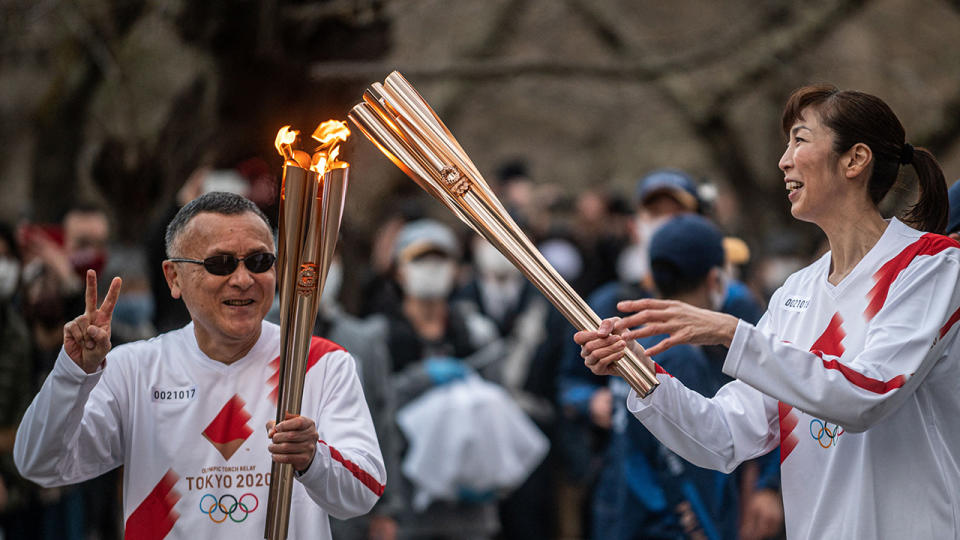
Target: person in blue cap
(660, 195)
(677, 185)
(586, 399)
(645, 490)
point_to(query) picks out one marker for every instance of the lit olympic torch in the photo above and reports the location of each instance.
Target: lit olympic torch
(311, 205)
(404, 127)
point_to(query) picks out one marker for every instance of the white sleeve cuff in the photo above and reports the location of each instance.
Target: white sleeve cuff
(737, 346)
(311, 473)
(67, 367)
(638, 406)
(644, 407)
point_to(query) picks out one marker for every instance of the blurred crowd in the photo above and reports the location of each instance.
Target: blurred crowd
(520, 440)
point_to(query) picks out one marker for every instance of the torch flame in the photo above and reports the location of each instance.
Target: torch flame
(329, 134)
(284, 142)
(318, 162)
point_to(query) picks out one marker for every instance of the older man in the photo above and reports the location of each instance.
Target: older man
(184, 412)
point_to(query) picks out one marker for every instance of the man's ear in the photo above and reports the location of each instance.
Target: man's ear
(856, 160)
(173, 278)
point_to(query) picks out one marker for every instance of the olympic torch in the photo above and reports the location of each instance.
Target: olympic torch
(405, 128)
(311, 205)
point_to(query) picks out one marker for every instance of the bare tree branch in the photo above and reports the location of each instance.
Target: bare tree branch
(85, 31)
(706, 109)
(485, 70)
(503, 26)
(944, 137)
(345, 9)
(776, 45)
(783, 47)
(612, 30)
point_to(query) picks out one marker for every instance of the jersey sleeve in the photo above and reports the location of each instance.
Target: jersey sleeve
(347, 475)
(905, 338)
(72, 430)
(737, 424)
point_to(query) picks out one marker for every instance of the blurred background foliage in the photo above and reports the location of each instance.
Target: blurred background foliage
(119, 100)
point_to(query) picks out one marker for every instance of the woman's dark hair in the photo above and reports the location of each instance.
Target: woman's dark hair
(856, 117)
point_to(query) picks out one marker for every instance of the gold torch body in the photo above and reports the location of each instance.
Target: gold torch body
(405, 128)
(311, 206)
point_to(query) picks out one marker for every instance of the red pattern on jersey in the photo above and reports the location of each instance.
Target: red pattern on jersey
(365, 478)
(229, 428)
(829, 344)
(950, 322)
(859, 379)
(928, 244)
(659, 369)
(155, 516)
(788, 422)
(830, 341)
(318, 348)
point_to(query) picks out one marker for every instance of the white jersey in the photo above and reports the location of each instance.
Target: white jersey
(859, 385)
(191, 435)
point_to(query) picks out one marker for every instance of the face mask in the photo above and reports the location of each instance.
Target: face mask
(331, 287)
(634, 263)
(719, 294)
(429, 278)
(499, 295)
(9, 276)
(490, 262)
(648, 226)
(88, 259)
(134, 309)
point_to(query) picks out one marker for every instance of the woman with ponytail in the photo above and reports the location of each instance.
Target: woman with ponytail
(854, 371)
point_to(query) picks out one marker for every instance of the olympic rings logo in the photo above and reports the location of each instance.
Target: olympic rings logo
(824, 434)
(227, 505)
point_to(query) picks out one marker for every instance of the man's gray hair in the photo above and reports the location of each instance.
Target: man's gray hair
(218, 202)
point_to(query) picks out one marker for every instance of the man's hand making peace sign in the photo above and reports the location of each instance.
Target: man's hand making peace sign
(86, 339)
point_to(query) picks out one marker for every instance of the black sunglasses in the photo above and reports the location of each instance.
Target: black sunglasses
(224, 265)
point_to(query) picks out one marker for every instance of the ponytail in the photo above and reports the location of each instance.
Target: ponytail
(931, 210)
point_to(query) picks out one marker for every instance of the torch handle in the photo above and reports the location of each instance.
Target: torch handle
(311, 209)
(293, 369)
(301, 273)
